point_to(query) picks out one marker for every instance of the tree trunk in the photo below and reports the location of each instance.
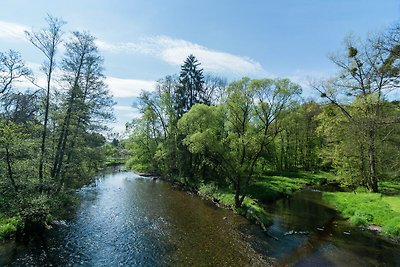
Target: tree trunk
(9, 169)
(46, 116)
(238, 199)
(373, 180)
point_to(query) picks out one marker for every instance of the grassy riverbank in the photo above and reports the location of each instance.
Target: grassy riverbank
(266, 189)
(273, 186)
(365, 209)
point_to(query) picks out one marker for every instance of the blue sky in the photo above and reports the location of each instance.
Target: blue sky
(143, 41)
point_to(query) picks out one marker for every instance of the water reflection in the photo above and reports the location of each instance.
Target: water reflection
(313, 234)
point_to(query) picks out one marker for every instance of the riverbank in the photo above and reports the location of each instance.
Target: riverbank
(266, 189)
(376, 211)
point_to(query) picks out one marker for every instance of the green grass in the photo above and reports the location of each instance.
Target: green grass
(369, 209)
(393, 201)
(271, 187)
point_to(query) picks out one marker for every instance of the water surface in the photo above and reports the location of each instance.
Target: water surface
(127, 220)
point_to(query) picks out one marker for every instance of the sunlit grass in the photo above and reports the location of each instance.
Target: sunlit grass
(393, 201)
(368, 209)
(271, 187)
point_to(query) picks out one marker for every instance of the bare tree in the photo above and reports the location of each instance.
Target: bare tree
(12, 69)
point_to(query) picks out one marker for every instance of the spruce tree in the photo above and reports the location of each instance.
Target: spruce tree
(190, 90)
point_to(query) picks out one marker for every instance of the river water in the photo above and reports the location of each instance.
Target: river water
(127, 220)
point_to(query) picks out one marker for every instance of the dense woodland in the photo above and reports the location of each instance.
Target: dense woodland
(50, 139)
(196, 128)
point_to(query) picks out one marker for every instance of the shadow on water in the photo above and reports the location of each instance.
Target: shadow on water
(308, 232)
(127, 220)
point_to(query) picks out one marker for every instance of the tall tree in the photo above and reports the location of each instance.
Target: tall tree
(369, 70)
(87, 99)
(47, 41)
(190, 90)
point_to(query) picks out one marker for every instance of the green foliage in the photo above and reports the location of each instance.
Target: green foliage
(392, 227)
(9, 226)
(34, 210)
(361, 218)
(50, 141)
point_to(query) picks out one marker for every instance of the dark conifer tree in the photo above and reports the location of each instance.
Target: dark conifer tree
(190, 90)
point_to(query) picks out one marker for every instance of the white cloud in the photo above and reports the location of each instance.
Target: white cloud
(10, 30)
(175, 51)
(129, 87)
(124, 114)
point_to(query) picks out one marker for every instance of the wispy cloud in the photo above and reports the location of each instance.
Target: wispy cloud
(129, 87)
(10, 30)
(175, 51)
(124, 114)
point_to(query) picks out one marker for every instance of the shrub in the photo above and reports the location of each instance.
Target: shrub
(9, 226)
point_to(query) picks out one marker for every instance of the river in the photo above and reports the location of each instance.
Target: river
(127, 220)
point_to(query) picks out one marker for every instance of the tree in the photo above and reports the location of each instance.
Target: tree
(190, 90)
(21, 107)
(47, 41)
(369, 71)
(87, 102)
(12, 69)
(236, 146)
(297, 144)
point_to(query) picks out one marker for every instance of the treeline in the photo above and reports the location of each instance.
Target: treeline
(196, 128)
(50, 139)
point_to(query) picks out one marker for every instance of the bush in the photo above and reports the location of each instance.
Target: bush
(35, 212)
